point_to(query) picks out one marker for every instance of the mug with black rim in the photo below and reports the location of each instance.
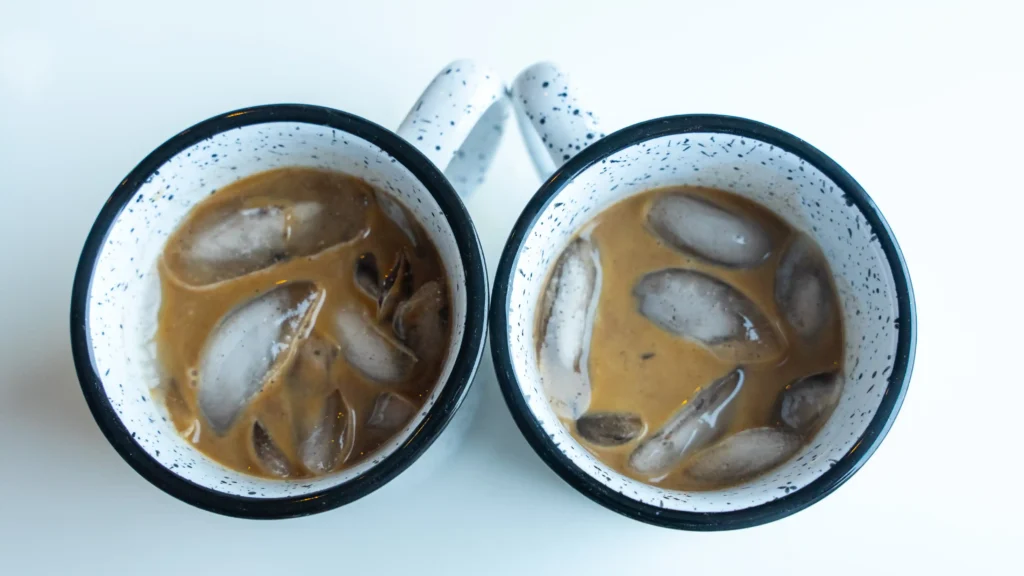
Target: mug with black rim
(587, 172)
(441, 150)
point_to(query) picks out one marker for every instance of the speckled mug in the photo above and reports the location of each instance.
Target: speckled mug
(444, 145)
(777, 170)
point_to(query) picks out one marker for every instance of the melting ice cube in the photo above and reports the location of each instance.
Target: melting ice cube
(422, 321)
(249, 345)
(268, 455)
(371, 350)
(397, 214)
(802, 288)
(702, 420)
(328, 441)
(324, 423)
(610, 428)
(743, 455)
(390, 412)
(804, 404)
(698, 307)
(236, 240)
(699, 227)
(570, 304)
(394, 288)
(367, 275)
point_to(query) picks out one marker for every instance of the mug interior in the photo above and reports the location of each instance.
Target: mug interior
(791, 187)
(124, 289)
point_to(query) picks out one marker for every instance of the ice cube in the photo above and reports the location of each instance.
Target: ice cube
(235, 241)
(248, 347)
(802, 288)
(309, 375)
(804, 404)
(610, 428)
(388, 292)
(390, 412)
(328, 441)
(701, 421)
(323, 422)
(250, 233)
(268, 455)
(422, 321)
(371, 350)
(367, 275)
(703, 309)
(394, 288)
(699, 227)
(743, 456)
(397, 214)
(570, 304)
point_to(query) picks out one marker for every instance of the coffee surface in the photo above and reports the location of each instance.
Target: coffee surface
(304, 321)
(690, 338)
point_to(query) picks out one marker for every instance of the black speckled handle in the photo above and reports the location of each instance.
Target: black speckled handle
(554, 122)
(458, 121)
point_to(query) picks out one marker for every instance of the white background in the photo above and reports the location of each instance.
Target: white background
(920, 102)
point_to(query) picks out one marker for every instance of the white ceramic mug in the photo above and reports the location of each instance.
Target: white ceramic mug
(445, 144)
(767, 165)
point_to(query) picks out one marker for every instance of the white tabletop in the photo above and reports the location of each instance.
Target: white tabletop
(921, 103)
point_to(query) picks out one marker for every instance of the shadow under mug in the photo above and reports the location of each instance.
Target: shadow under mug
(456, 124)
(789, 176)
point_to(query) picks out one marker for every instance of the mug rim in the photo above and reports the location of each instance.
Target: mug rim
(820, 487)
(456, 386)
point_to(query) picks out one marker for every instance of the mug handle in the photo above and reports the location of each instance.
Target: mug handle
(554, 123)
(458, 121)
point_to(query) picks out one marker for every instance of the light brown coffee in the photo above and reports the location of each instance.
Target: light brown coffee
(304, 321)
(691, 338)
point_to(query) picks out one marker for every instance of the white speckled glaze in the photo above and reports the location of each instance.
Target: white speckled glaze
(456, 124)
(559, 127)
